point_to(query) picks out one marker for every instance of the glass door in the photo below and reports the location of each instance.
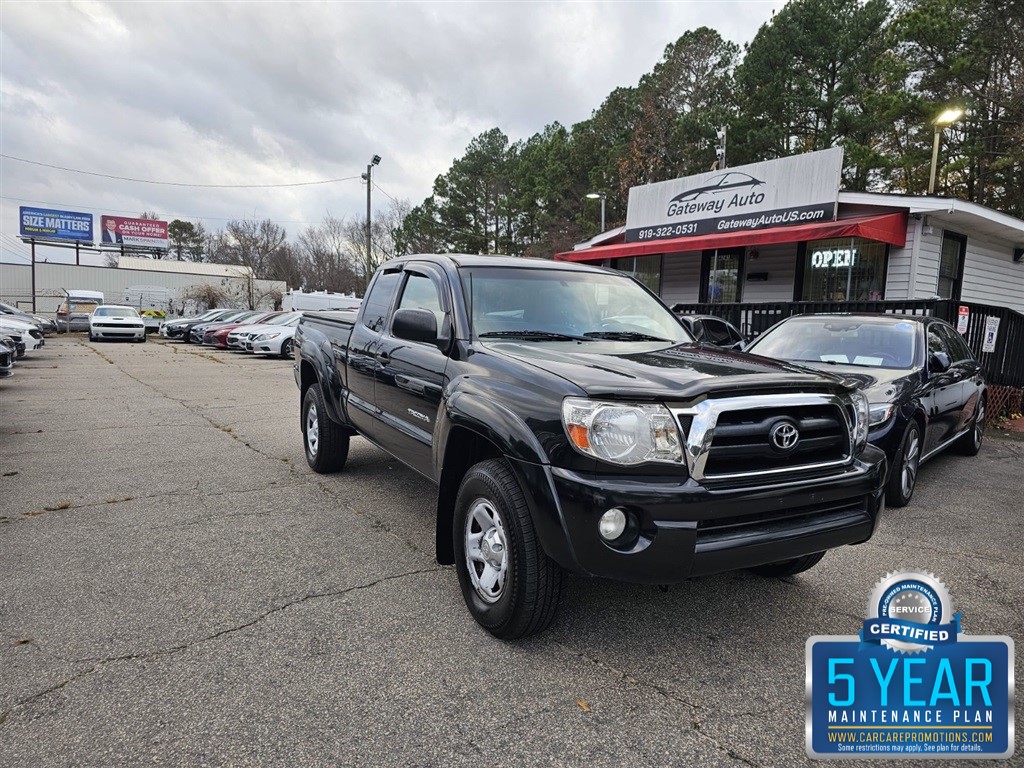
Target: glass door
(722, 276)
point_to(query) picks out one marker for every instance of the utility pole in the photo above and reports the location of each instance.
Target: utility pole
(368, 177)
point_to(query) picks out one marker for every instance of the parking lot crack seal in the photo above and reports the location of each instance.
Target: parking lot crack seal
(185, 403)
(99, 662)
(695, 722)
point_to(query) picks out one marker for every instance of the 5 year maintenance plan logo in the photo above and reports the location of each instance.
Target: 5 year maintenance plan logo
(911, 684)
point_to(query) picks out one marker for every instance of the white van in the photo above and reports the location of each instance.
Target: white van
(294, 301)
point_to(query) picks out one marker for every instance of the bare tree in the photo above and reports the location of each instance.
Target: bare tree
(205, 295)
(251, 243)
(284, 265)
(326, 257)
(215, 247)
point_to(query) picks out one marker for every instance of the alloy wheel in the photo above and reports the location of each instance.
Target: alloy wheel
(979, 424)
(911, 458)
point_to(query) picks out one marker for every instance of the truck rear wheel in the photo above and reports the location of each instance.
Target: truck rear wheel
(326, 443)
(511, 587)
(789, 567)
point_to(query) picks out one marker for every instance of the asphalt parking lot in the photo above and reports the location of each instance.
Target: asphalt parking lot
(178, 588)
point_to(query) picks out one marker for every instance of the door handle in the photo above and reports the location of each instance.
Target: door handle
(383, 356)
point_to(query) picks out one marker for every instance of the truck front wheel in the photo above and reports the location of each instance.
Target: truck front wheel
(325, 442)
(510, 585)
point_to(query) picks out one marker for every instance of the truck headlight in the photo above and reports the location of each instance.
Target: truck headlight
(862, 417)
(622, 433)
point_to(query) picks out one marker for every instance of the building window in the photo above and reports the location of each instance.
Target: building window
(951, 265)
(646, 269)
(721, 276)
(844, 269)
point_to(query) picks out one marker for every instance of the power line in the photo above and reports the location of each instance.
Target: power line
(134, 212)
(178, 183)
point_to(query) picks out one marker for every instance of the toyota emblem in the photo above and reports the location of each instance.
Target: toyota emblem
(784, 436)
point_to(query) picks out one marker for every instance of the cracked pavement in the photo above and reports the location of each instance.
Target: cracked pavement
(178, 588)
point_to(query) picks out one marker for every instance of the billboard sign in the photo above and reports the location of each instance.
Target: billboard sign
(792, 190)
(48, 224)
(138, 233)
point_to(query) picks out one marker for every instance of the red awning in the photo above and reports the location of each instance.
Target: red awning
(886, 228)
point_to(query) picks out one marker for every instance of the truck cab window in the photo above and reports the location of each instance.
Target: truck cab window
(378, 300)
(421, 293)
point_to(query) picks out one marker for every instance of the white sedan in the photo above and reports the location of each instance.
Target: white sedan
(25, 332)
(240, 338)
(275, 340)
(111, 321)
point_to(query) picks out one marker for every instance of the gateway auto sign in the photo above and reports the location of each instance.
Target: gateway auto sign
(776, 193)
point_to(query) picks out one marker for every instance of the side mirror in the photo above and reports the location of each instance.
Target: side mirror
(415, 325)
(938, 362)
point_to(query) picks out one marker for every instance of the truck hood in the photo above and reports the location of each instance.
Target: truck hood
(633, 370)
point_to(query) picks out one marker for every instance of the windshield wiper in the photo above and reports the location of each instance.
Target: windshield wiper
(623, 336)
(532, 336)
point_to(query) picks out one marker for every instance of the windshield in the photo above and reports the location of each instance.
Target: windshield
(292, 318)
(877, 343)
(116, 312)
(232, 317)
(553, 305)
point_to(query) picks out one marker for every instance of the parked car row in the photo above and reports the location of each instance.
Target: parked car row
(258, 332)
(21, 333)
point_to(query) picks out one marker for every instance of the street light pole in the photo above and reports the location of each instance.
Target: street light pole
(368, 177)
(935, 160)
(602, 197)
(948, 117)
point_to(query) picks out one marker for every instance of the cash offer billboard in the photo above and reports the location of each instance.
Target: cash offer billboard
(139, 233)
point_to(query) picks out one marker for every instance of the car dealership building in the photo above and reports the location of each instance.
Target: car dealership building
(760, 242)
(846, 246)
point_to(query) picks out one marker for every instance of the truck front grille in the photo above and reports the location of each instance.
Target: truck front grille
(743, 439)
(765, 434)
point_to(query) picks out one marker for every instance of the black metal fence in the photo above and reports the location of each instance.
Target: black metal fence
(1004, 365)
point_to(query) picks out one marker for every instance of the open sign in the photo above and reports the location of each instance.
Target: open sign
(838, 257)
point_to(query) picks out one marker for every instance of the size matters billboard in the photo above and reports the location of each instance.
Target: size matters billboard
(138, 233)
(792, 190)
(48, 224)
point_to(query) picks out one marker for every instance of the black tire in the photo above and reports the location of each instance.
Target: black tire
(141, 341)
(326, 445)
(789, 567)
(286, 348)
(525, 600)
(970, 444)
(899, 488)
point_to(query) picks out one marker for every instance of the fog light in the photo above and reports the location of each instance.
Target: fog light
(612, 524)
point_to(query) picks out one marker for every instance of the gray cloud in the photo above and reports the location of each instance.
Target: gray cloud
(236, 93)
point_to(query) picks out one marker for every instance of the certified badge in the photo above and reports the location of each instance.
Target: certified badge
(910, 612)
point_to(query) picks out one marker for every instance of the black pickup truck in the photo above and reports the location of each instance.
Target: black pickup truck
(571, 423)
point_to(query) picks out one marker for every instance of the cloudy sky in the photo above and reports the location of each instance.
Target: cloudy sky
(247, 93)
